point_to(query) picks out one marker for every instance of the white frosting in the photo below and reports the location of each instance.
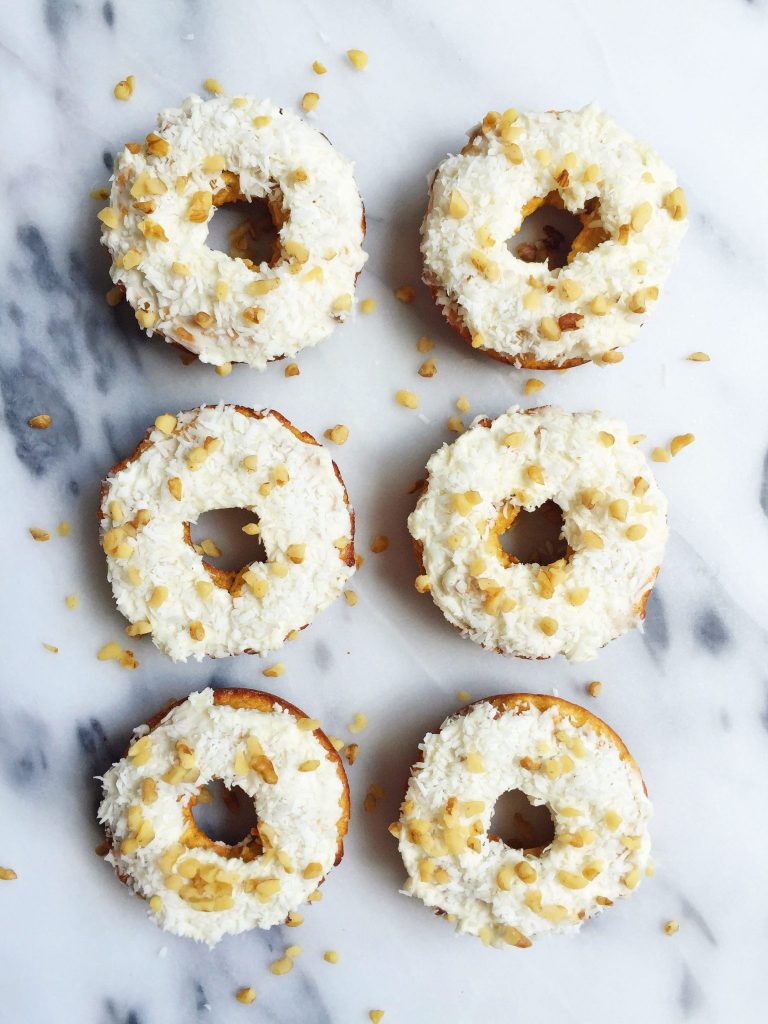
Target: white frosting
(600, 781)
(302, 808)
(567, 448)
(309, 509)
(324, 214)
(496, 191)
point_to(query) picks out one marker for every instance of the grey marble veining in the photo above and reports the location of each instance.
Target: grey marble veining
(689, 695)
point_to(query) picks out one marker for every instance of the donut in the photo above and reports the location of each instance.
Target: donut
(165, 192)
(614, 529)
(632, 214)
(561, 757)
(206, 889)
(216, 457)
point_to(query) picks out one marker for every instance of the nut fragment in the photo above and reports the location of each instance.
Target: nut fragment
(358, 59)
(635, 532)
(124, 88)
(358, 723)
(458, 207)
(109, 217)
(679, 442)
(641, 215)
(407, 399)
(343, 303)
(676, 204)
(282, 966)
(40, 422)
(618, 509)
(549, 328)
(199, 207)
(338, 434)
(592, 539)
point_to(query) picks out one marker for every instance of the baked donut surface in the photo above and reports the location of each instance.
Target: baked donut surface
(614, 528)
(165, 192)
(206, 889)
(633, 218)
(560, 756)
(217, 457)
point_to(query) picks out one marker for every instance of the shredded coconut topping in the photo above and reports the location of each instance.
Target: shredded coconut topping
(586, 464)
(478, 200)
(594, 793)
(305, 524)
(299, 813)
(164, 195)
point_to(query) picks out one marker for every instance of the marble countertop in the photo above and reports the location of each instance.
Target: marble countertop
(688, 695)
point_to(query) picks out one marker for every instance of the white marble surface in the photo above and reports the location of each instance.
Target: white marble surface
(689, 696)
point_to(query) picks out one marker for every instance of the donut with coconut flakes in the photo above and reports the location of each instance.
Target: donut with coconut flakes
(561, 757)
(614, 529)
(217, 457)
(633, 218)
(223, 309)
(206, 889)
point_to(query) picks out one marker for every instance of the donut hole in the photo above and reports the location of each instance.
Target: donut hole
(536, 537)
(225, 815)
(553, 235)
(219, 537)
(244, 230)
(520, 825)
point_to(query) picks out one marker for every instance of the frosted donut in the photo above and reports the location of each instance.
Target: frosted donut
(205, 889)
(224, 309)
(633, 217)
(215, 457)
(561, 757)
(614, 527)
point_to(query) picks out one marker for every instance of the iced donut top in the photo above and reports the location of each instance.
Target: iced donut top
(591, 787)
(614, 524)
(477, 204)
(298, 811)
(219, 457)
(164, 194)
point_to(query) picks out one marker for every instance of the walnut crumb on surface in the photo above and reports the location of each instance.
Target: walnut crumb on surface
(358, 59)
